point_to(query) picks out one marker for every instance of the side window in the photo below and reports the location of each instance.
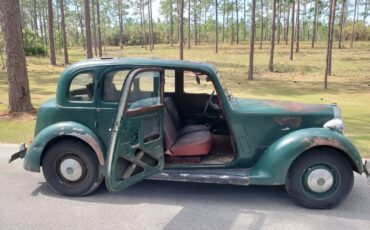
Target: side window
(113, 82)
(197, 83)
(82, 87)
(169, 81)
(145, 91)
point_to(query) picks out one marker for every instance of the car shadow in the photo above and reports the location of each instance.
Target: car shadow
(221, 204)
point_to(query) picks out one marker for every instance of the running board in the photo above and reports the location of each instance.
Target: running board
(213, 176)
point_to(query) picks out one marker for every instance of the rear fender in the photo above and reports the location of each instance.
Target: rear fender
(32, 160)
(273, 166)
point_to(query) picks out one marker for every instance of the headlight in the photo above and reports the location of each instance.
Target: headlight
(335, 124)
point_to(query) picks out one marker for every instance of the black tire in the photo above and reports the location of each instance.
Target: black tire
(89, 180)
(333, 162)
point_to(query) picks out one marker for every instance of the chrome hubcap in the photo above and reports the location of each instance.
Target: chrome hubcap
(320, 180)
(71, 169)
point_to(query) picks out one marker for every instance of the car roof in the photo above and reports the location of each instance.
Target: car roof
(168, 63)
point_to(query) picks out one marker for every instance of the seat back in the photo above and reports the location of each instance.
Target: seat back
(169, 129)
(173, 112)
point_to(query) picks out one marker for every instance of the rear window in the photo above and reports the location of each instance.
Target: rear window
(82, 87)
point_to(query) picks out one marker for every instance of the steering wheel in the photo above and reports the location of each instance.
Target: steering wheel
(209, 101)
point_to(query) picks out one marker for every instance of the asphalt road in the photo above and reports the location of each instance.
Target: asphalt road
(27, 202)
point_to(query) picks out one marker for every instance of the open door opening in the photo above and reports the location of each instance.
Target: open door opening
(195, 125)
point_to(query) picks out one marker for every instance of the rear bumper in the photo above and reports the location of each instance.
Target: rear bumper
(367, 170)
(20, 154)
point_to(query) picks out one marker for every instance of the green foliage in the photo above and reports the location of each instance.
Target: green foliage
(32, 44)
(34, 51)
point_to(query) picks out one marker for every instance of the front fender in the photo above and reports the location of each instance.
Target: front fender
(273, 166)
(32, 160)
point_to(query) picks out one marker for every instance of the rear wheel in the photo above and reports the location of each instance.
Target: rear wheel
(71, 168)
(320, 179)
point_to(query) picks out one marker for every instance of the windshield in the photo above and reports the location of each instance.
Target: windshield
(227, 92)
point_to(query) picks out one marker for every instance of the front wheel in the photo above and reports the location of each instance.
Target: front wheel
(320, 179)
(71, 168)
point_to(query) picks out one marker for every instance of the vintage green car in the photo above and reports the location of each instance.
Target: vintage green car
(125, 120)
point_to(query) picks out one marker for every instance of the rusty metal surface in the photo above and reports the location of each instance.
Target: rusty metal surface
(321, 141)
(92, 143)
(293, 122)
(295, 106)
(212, 176)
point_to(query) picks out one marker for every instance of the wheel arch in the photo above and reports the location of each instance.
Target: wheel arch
(57, 132)
(273, 166)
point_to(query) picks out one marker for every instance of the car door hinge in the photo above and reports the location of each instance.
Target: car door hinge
(96, 124)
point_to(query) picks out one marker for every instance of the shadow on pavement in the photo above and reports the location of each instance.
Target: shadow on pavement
(219, 205)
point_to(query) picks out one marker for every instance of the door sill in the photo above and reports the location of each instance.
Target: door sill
(213, 176)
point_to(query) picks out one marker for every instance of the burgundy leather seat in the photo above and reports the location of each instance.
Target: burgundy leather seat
(192, 144)
(173, 112)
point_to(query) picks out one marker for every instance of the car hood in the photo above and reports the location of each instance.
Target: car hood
(275, 107)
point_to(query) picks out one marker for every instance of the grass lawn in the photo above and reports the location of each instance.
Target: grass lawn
(298, 80)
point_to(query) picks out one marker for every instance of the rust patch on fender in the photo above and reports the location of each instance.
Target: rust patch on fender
(294, 106)
(293, 122)
(92, 142)
(317, 141)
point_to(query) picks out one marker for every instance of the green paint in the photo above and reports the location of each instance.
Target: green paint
(269, 135)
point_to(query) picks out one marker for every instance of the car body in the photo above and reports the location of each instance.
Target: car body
(145, 131)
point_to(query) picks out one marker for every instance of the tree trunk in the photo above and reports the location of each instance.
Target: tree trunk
(81, 25)
(272, 47)
(51, 33)
(330, 41)
(223, 21)
(232, 23)
(261, 32)
(189, 24)
(237, 21)
(278, 21)
(18, 87)
(44, 22)
(245, 21)
(287, 26)
(365, 11)
(341, 24)
(297, 28)
(89, 53)
(195, 23)
(94, 27)
(331, 30)
(216, 27)
(142, 23)
(150, 25)
(304, 20)
(354, 23)
(267, 21)
(251, 40)
(64, 33)
(181, 11)
(120, 21)
(171, 23)
(59, 38)
(35, 17)
(41, 27)
(314, 24)
(100, 48)
(292, 32)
